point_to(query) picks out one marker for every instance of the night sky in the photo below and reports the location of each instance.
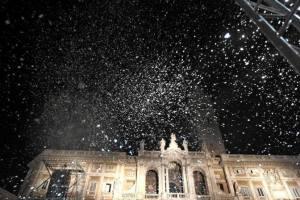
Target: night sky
(102, 75)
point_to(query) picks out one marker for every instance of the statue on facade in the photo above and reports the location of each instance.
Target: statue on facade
(185, 145)
(142, 145)
(173, 144)
(204, 147)
(162, 145)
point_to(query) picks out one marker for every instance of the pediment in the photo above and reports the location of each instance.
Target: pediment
(173, 149)
(173, 153)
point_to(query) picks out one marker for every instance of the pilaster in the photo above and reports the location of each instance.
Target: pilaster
(253, 192)
(185, 178)
(266, 188)
(287, 190)
(190, 180)
(211, 181)
(228, 180)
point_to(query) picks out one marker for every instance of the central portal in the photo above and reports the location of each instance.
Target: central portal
(175, 178)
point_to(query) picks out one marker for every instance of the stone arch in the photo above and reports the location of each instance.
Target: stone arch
(200, 182)
(151, 186)
(175, 177)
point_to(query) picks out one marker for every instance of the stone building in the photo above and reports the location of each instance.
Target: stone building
(171, 173)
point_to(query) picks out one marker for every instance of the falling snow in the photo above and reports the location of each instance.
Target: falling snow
(103, 75)
(227, 35)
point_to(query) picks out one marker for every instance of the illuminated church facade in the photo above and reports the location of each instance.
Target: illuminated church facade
(171, 173)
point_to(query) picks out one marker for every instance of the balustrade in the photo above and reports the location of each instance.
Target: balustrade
(151, 196)
(177, 196)
(203, 197)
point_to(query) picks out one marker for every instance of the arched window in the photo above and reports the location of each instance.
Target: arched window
(175, 178)
(151, 182)
(200, 183)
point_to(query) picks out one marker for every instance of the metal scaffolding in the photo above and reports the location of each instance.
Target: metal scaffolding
(73, 169)
(276, 9)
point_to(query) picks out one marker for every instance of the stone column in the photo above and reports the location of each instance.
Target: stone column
(185, 178)
(167, 180)
(287, 190)
(280, 176)
(161, 180)
(191, 184)
(85, 187)
(228, 180)
(118, 181)
(87, 180)
(253, 191)
(121, 177)
(98, 188)
(101, 185)
(266, 188)
(140, 181)
(164, 180)
(211, 183)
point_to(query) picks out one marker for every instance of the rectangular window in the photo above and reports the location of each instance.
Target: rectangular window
(245, 191)
(107, 188)
(260, 192)
(296, 192)
(92, 188)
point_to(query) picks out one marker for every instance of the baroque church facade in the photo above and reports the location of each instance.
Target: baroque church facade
(171, 173)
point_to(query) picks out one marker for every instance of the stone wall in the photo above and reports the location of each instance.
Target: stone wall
(200, 175)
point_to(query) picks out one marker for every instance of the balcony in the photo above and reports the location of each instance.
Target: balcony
(181, 196)
(170, 196)
(177, 196)
(225, 197)
(128, 195)
(203, 197)
(151, 196)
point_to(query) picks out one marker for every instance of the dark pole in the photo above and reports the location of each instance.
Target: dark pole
(284, 48)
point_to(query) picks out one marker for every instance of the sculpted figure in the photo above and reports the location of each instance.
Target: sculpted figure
(162, 144)
(142, 145)
(185, 145)
(173, 144)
